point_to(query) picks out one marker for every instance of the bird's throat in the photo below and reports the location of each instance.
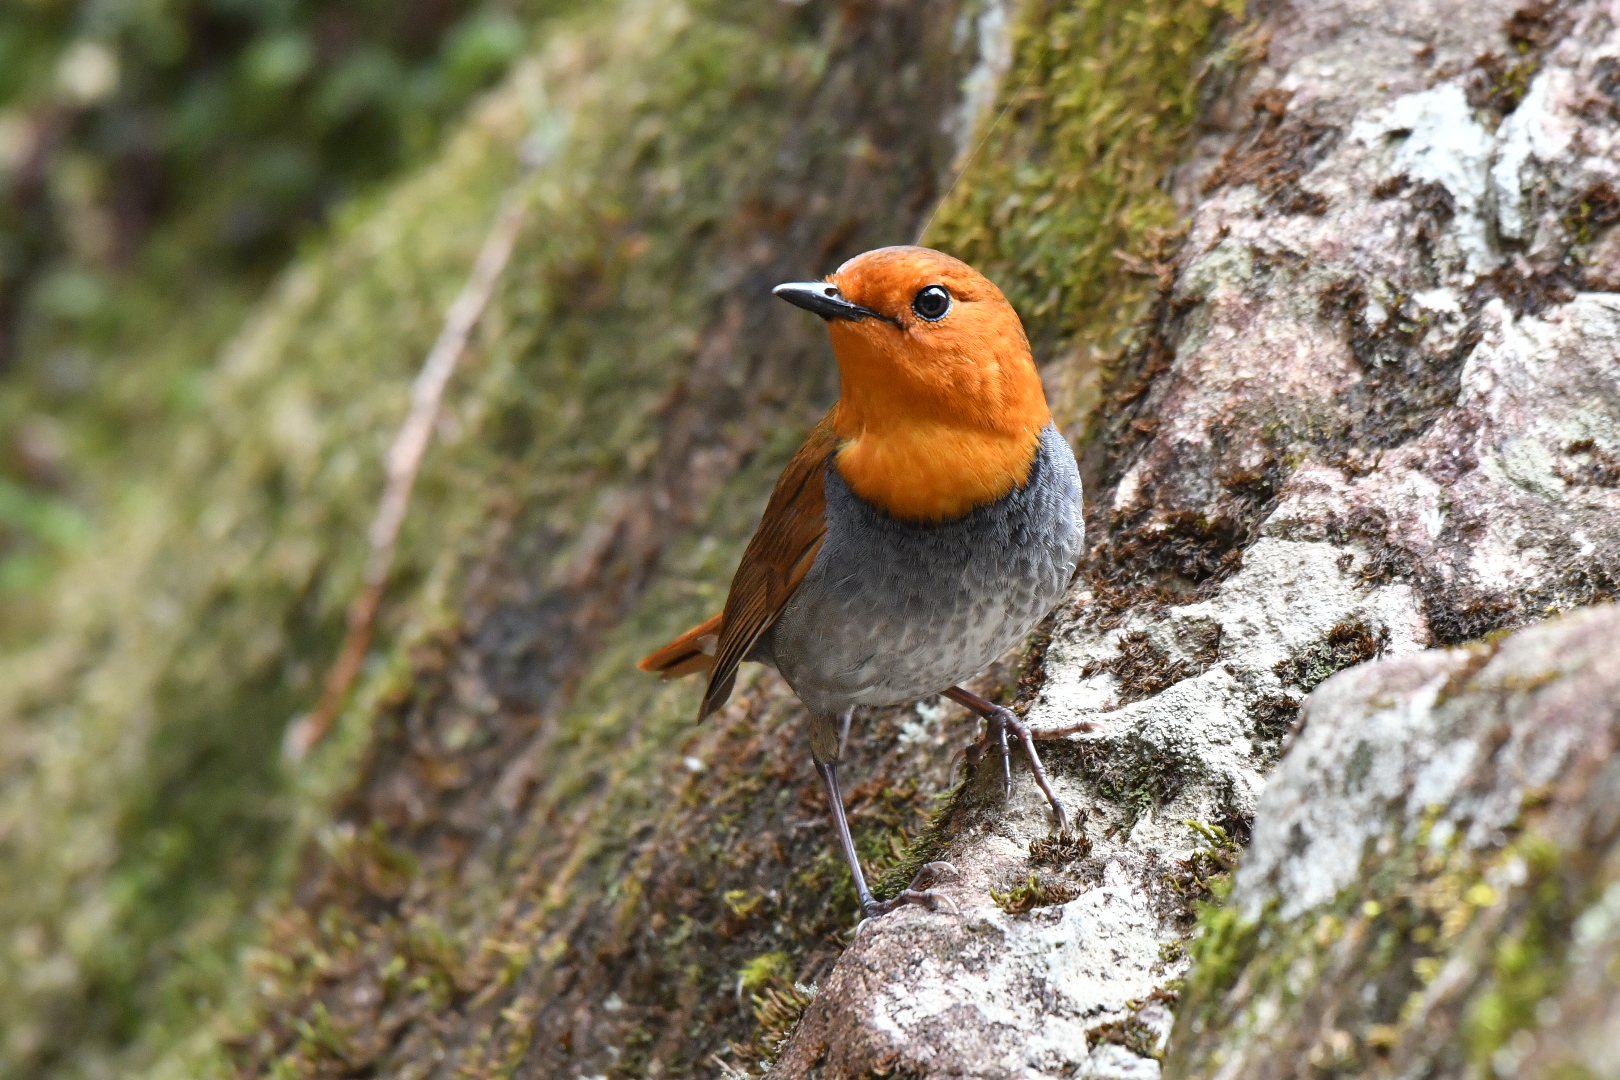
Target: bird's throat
(923, 472)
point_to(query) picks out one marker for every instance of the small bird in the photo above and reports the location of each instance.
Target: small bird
(926, 525)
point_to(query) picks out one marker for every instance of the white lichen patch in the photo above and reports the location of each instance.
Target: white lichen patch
(1535, 130)
(1437, 140)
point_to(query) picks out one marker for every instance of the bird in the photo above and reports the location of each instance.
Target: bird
(926, 525)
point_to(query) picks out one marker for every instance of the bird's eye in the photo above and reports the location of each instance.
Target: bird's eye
(931, 302)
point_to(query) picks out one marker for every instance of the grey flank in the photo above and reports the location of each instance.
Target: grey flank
(893, 611)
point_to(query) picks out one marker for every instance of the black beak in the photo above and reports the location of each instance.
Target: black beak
(825, 300)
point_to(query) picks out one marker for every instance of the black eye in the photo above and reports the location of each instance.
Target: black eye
(931, 302)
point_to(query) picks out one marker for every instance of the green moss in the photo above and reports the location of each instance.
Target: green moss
(1222, 946)
(610, 349)
(1349, 643)
(1097, 106)
(1369, 957)
(1032, 893)
(1206, 874)
(1527, 964)
(1133, 772)
(758, 973)
(927, 847)
(1596, 209)
(777, 1011)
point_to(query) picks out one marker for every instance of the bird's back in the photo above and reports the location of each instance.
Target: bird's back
(892, 610)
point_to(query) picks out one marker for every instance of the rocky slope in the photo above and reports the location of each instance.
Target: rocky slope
(1374, 411)
(1320, 294)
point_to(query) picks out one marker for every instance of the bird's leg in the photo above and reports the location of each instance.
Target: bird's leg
(998, 722)
(915, 893)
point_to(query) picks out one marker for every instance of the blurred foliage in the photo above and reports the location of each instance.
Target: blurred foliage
(142, 797)
(248, 118)
(158, 161)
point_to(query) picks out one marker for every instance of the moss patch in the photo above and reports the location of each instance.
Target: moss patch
(1137, 774)
(1032, 893)
(1279, 148)
(1349, 643)
(1143, 669)
(1130, 1033)
(1059, 849)
(1098, 104)
(1352, 986)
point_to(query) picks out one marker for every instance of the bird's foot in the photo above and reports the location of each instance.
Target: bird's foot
(999, 721)
(917, 892)
(974, 751)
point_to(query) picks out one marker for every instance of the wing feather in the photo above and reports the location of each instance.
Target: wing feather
(783, 549)
(781, 553)
(692, 651)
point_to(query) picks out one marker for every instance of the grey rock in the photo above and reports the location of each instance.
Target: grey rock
(1376, 410)
(1432, 888)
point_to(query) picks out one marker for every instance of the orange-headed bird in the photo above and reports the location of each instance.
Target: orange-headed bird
(926, 525)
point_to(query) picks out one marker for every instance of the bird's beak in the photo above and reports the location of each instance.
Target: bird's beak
(823, 298)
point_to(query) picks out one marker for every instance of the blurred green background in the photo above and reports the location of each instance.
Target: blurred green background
(159, 161)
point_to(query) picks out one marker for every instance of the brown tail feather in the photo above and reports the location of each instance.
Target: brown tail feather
(692, 651)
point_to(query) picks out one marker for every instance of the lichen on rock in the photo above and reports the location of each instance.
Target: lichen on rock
(1338, 360)
(1429, 890)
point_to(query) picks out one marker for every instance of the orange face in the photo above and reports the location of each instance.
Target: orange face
(941, 407)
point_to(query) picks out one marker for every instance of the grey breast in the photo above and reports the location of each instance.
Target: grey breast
(892, 611)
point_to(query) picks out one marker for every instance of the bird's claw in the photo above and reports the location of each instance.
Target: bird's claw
(1006, 756)
(916, 893)
(928, 873)
(928, 898)
(998, 722)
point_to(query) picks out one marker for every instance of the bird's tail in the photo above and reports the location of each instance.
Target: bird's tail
(692, 651)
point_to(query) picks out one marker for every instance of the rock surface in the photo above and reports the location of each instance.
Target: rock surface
(1377, 410)
(1434, 883)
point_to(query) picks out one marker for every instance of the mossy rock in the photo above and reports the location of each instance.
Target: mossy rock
(504, 803)
(1476, 933)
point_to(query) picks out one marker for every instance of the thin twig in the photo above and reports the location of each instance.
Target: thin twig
(404, 460)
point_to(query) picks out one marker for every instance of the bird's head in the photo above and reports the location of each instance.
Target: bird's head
(941, 407)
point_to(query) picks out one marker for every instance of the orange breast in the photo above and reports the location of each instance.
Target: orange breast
(926, 472)
(931, 428)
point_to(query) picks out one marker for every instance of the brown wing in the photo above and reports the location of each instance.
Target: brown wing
(776, 560)
(692, 651)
